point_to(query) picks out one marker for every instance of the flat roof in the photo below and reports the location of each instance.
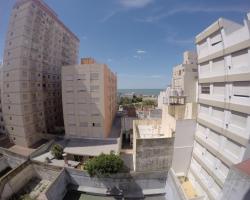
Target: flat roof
(150, 131)
(91, 147)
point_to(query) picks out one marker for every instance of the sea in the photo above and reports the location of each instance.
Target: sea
(154, 92)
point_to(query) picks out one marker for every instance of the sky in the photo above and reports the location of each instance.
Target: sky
(140, 40)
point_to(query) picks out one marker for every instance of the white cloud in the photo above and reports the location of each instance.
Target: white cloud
(140, 51)
(135, 3)
(109, 15)
(195, 9)
(110, 60)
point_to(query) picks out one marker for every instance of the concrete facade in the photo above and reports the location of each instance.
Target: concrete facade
(28, 174)
(2, 124)
(37, 45)
(237, 184)
(89, 99)
(223, 122)
(184, 78)
(134, 186)
(152, 148)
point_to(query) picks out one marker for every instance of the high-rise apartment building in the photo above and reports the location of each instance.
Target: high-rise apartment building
(37, 45)
(2, 124)
(89, 99)
(184, 79)
(223, 122)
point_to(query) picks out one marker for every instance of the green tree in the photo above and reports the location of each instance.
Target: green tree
(149, 103)
(57, 151)
(104, 165)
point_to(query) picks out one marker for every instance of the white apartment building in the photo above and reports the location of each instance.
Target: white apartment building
(184, 78)
(37, 45)
(89, 92)
(223, 122)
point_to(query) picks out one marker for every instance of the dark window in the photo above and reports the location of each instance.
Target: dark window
(205, 89)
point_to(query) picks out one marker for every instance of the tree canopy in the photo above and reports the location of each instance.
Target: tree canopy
(104, 165)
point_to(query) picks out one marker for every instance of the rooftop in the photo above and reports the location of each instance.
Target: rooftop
(91, 147)
(244, 166)
(148, 129)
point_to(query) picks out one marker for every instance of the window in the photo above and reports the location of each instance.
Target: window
(94, 76)
(97, 124)
(205, 89)
(83, 124)
(94, 87)
(95, 100)
(219, 88)
(238, 119)
(241, 89)
(95, 114)
(24, 85)
(240, 59)
(25, 74)
(81, 77)
(216, 39)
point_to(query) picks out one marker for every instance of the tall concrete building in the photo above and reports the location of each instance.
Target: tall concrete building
(89, 93)
(37, 45)
(2, 124)
(223, 122)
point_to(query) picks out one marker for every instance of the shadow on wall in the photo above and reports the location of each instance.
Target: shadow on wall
(247, 195)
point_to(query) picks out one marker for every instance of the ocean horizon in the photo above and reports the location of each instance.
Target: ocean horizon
(141, 91)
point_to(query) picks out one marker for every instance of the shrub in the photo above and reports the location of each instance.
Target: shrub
(57, 151)
(104, 165)
(26, 197)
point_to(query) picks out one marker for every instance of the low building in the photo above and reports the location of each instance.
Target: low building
(76, 151)
(29, 179)
(152, 148)
(89, 99)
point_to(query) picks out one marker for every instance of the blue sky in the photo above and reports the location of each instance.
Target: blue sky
(141, 40)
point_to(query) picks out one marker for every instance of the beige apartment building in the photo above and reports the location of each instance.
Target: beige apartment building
(37, 45)
(223, 121)
(89, 92)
